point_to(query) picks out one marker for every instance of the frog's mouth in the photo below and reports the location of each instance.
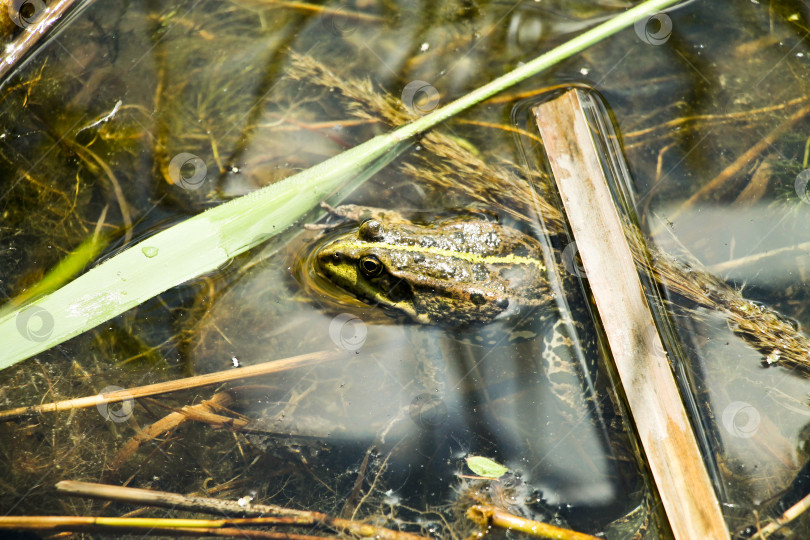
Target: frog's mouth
(390, 293)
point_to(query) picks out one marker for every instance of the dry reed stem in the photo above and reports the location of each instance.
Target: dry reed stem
(202, 412)
(789, 515)
(154, 526)
(217, 506)
(744, 159)
(486, 516)
(266, 368)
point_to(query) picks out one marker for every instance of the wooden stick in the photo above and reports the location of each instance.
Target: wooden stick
(217, 377)
(744, 159)
(148, 497)
(757, 258)
(652, 394)
(31, 34)
(789, 515)
(203, 412)
(163, 526)
(316, 9)
(486, 516)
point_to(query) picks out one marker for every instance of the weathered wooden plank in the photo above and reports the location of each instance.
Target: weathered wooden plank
(679, 473)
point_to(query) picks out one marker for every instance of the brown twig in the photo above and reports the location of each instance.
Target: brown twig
(203, 412)
(502, 127)
(218, 506)
(789, 515)
(747, 157)
(758, 258)
(354, 495)
(317, 9)
(31, 34)
(486, 516)
(674, 125)
(218, 377)
(171, 527)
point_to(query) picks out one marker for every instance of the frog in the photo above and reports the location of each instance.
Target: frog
(484, 282)
(462, 271)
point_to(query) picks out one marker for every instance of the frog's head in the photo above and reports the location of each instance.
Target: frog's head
(360, 263)
(413, 279)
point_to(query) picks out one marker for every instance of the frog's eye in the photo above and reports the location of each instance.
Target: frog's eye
(370, 266)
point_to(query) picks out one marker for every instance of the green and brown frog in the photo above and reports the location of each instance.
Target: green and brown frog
(464, 273)
(459, 271)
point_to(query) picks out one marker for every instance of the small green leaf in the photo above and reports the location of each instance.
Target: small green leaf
(485, 467)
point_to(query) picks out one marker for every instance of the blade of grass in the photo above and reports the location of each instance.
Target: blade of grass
(73, 263)
(204, 242)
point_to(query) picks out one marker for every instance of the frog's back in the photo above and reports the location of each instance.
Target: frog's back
(469, 272)
(451, 272)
